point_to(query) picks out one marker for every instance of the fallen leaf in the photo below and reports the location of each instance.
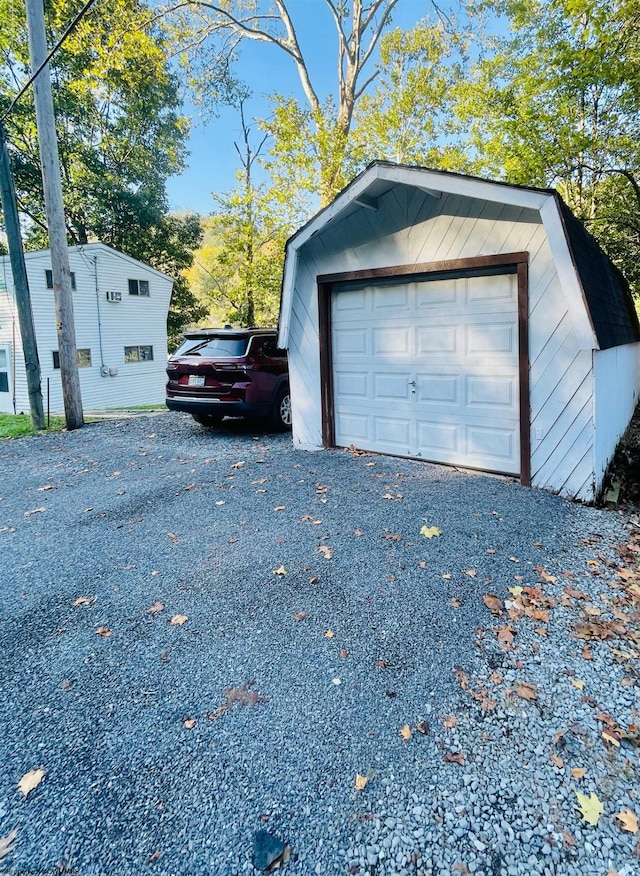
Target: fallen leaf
(577, 683)
(34, 511)
(382, 664)
(627, 821)
(568, 839)
(430, 531)
(154, 857)
(590, 807)
(491, 550)
(578, 772)
(455, 602)
(237, 465)
(593, 563)
(280, 571)
(361, 782)
(493, 603)
(329, 634)
(527, 691)
(610, 736)
(155, 608)
(243, 695)
(189, 723)
(280, 508)
(314, 579)
(544, 575)
(31, 780)
(6, 843)
(358, 532)
(405, 732)
(458, 757)
(174, 538)
(326, 551)
(177, 620)
(105, 632)
(422, 727)
(557, 760)
(336, 681)
(488, 704)
(505, 635)
(84, 600)
(472, 573)
(449, 722)
(300, 615)
(515, 591)
(446, 576)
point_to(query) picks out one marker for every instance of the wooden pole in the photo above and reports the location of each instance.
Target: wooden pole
(21, 287)
(52, 184)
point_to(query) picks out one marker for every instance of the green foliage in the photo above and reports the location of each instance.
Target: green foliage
(120, 134)
(557, 104)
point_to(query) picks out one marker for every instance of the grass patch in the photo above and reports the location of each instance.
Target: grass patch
(20, 425)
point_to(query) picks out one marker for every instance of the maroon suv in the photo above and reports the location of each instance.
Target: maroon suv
(218, 373)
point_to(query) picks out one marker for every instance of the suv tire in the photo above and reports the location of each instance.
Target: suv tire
(281, 414)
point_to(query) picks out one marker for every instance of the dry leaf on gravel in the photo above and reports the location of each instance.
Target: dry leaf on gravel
(237, 465)
(178, 620)
(590, 807)
(280, 508)
(405, 732)
(526, 691)
(105, 632)
(430, 531)
(449, 722)
(242, 695)
(450, 757)
(155, 856)
(174, 538)
(493, 603)
(156, 607)
(326, 551)
(455, 602)
(83, 600)
(627, 820)
(472, 573)
(358, 532)
(329, 634)
(300, 615)
(544, 575)
(422, 727)
(361, 782)
(31, 780)
(6, 843)
(505, 635)
(189, 723)
(34, 511)
(557, 760)
(578, 772)
(280, 571)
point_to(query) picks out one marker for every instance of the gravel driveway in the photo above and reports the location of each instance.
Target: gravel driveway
(320, 623)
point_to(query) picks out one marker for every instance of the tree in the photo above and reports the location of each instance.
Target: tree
(324, 123)
(238, 271)
(120, 133)
(557, 104)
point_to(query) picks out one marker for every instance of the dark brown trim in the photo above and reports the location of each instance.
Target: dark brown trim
(513, 263)
(326, 364)
(510, 260)
(522, 273)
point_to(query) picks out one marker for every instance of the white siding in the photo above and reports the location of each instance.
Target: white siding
(413, 227)
(103, 327)
(617, 384)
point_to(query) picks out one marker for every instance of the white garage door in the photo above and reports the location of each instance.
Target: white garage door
(429, 369)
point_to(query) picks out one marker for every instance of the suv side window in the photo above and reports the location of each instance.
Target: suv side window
(271, 349)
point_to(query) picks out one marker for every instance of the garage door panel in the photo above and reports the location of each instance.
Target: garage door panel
(433, 375)
(394, 342)
(352, 300)
(350, 342)
(391, 386)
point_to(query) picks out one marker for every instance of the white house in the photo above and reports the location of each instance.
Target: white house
(473, 323)
(120, 312)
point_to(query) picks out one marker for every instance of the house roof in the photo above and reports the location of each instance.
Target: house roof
(97, 247)
(599, 300)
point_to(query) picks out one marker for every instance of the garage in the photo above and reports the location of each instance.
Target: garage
(463, 322)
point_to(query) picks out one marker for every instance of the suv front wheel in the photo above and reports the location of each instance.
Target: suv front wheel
(281, 414)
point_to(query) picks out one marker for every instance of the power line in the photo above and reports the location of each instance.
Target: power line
(53, 51)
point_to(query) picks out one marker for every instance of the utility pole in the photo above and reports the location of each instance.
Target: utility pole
(21, 286)
(52, 184)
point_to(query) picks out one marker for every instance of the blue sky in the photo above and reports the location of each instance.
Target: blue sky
(213, 159)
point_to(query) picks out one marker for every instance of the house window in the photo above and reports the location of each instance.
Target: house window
(49, 276)
(83, 358)
(139, 353)
(139, 287)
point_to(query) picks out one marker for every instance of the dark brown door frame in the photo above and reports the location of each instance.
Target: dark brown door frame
(510, 263)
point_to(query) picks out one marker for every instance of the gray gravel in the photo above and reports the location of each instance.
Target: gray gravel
(159, 509)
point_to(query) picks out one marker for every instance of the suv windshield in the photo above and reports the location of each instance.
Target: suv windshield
(213, 348)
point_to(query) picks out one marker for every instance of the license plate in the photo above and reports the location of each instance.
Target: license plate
(196, 380)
